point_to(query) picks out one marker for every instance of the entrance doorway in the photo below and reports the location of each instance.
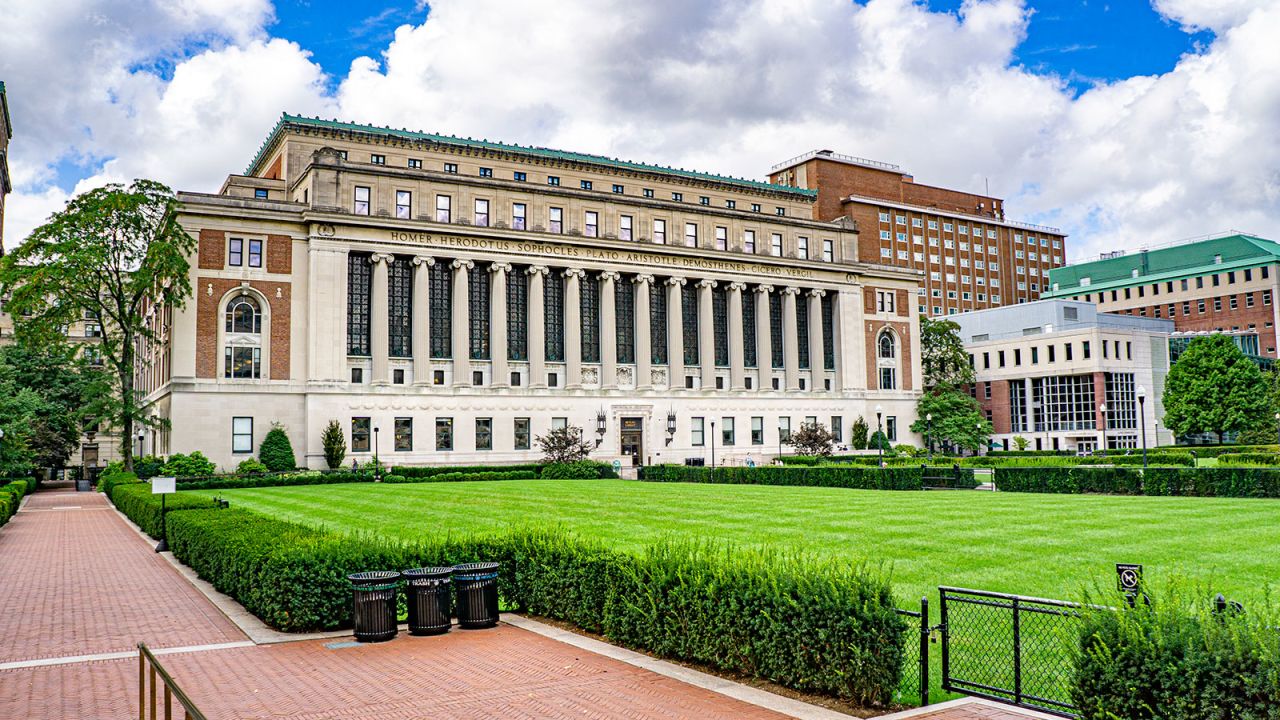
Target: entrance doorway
(632, 436)
(89, 455)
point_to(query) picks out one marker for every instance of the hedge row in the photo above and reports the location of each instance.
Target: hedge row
(816, 626)
(1213, 451)
(1214, 482)
(1178, 660)
(313, 477)
(1201, 482)
(11, 494)
(1266, 459)
(1071, 480)
(862, 478)
(138, 504)
(433, 470)
(463, 477)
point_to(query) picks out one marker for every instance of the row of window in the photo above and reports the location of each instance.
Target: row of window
(1110, 350)
(964, 230)
(1068, 403)
(1184, 284)
(554, 181)
(1232, 303)
(591, 227)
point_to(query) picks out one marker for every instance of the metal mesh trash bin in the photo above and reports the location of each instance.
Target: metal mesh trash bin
(429, 595)
(477, 588)
(374, 605)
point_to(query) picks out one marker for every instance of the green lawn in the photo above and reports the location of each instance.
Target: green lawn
(1045, 545)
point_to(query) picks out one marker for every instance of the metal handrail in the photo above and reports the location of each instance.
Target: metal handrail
(171, 690)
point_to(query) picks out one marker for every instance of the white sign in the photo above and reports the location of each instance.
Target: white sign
(163, 485)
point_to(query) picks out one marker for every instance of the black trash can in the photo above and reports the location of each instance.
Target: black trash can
(374, 605)
(477, 587)
(429, 594)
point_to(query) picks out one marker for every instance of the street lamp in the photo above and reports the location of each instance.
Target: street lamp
(978, 428)
(377, 470)
(1142, 420)
(928, 434)
(142, 436)
(713, 447)
(1103, 409)
(880, 434)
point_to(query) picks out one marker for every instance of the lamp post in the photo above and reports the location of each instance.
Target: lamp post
(377, 469)
(928, 434)
(978, 428)
(880, 434)
(1142, 420)
(142, 436)
(713, 447)
(1103, 409)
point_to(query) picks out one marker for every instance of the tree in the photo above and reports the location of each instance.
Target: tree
(117, 254)
(957, 419)
(879, 441)
(943, 358)
(1020, 443)
(48, 397)
(335, 445)
(858, 434)
(813, 439)
(1214, 388)
(564, 445)
(276, 452)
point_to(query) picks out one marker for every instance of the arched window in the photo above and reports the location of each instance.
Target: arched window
(887, 350)
(242, 349)
(886, 360)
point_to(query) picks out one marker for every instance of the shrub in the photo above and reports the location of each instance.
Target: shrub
(1098, 480)
(428, 471)
(462, 477)
(148, 466)
(564, 445)
(250, 466)
(226, 482)
(1263, 459)
(276, 452)
(858, 434)
(813, 439)
(1177, 660)
(335, 445)
(109, 480)
(180, 465)
(1214, 482)
(817, 626)
(138, 504)
(581, 470)
(862, 478)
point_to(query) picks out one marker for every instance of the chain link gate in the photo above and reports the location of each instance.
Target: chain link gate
(1009, 648)
(915, 656)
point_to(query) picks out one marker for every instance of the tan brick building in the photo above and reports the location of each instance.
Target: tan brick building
(971, 256)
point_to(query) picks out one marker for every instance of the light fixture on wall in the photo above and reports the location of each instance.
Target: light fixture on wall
(671, 426)
(601, 426)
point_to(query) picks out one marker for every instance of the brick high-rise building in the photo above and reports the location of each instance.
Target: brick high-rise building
(972, 257)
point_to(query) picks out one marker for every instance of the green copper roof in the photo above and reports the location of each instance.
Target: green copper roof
(4, 106)
(287, 119)
(1168, 263)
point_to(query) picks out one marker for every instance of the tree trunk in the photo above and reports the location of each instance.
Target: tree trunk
(127, 405)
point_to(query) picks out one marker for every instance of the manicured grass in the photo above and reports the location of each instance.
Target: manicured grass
(1045, 545)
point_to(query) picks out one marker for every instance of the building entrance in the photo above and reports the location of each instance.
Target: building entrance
(632, 436)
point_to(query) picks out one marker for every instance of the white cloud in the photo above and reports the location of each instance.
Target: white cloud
(725, 86)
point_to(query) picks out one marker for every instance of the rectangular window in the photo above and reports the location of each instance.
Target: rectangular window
(559, 422)
(556, 221)
(553, 180)
(404, 434)
(415, 163)
(585, 184)
(482, 213)
(241, 434)
(361, 206)
(784, 429)
(727, 431)
(691, 234)
(444, 433)
(255, 253)
(891, 428)
(260, 193)
(749, 241)
(522, 433)
(486, 172)
(444, 209)
(647, 192)
(624, 227)
(678, 197)
(731, 204)
(722, 238)
(802, 247)
(359, 434)
(357, 375)
(888, 378)
(837, 428)
(451, 168)
(403, 204)
(755, 207)
(660, 232)
(828, 253)
(618, 189)
(697, 436)
(378, 159)
(591, 223)
(484, 433)
(1084, 349)
(236, 255)
(518, 211)
(704, 200)
(757, 431)
(519, 176)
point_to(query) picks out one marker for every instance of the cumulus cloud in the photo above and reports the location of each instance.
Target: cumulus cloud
(724, 85)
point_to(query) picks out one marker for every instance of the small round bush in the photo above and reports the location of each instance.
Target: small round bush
(581, 470)
(250, 466)
(192, 465)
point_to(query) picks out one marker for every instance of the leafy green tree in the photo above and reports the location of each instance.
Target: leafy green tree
(335, 445)
(276, 452)
(48, 395)
(943, 358)
(958, 421)
(115, 253)
(192, 465)
(564, 445)
(879, 441)
(858, 434)
(1020, 443)
(813, 439)
(1215, 388)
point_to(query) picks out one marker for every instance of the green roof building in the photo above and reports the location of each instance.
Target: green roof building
(1225, 284)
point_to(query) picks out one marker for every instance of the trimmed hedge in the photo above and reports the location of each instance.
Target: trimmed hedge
(228, 482)
(814, 625)
(861, 478)
(581, 470)
(109, 480)
(1178, 660)
(139, 505)
(1071, 480)
(11, 493)
(1264, 459)
(462, 477)
(432, 470)
(1213, 451)
(1238, 482)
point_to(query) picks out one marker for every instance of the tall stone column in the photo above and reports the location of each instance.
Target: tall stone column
(608, 330)
(675, 334)
(790, 338)
(573, 327)
(461, 323)
(537, 327)
(422, 320)
(706, 334)
(498, 325)
(817, 368)
(644, 346)
(764, 337)
(379, 313)
(737, 371)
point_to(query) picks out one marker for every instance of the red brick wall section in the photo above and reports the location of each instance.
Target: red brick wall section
(279, 254)
(901, 304)
(1099, 397)
(904, 349)
(213, 246)
(869, 300)
(208, 317)
(999, 406)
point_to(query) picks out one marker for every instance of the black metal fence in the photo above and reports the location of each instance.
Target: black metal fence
(943, 477)
(1009, 648)
(915, 658)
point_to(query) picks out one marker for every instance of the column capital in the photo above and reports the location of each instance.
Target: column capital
(707, 283)
(537, 270)
(380, 258)
(790, 291)
(764, 289)
(737, 286)
(642, 279)
(673, 281)
(574, 272)
(424, 260)
(611, 276)
(816, 292)
(461, 264)
(500, 267)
